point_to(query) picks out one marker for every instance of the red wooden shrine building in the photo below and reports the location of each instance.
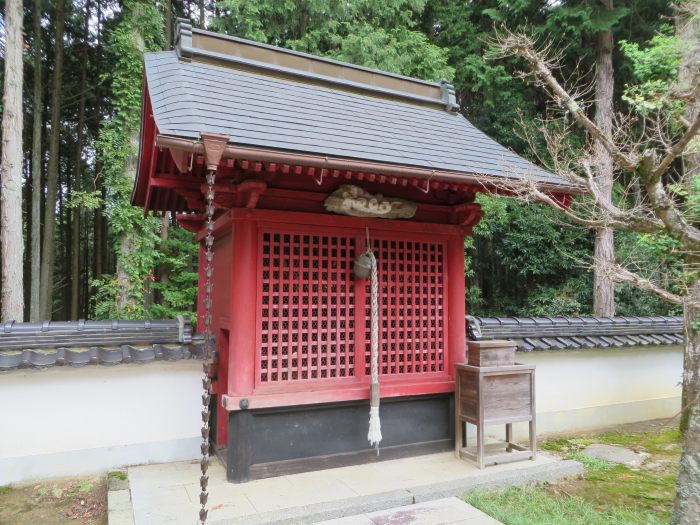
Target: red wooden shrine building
(283, 131)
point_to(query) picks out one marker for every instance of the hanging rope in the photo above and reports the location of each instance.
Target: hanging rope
(375, 427)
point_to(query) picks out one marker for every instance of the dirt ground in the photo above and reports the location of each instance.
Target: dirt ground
(55, 502)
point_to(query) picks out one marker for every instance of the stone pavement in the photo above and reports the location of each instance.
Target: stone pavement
(169, 493)
(452, 511)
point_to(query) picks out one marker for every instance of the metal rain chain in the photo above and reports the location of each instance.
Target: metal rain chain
(208, 346)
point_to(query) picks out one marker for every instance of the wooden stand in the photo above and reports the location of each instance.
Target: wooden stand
(494, 395)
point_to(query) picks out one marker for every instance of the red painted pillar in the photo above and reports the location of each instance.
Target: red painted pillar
(200, 289)
(243, 309)
(456, 306)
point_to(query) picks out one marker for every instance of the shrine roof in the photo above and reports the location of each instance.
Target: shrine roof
(267, 97)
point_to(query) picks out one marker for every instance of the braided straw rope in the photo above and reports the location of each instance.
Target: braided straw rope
(374, 435)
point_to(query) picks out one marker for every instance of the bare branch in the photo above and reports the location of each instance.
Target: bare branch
(677, 150)
(518, 44)
(622, 275)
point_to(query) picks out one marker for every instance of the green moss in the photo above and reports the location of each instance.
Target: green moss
(118, 475)
(653, 492)
(605, 485)
(535, 506)
(663, 442)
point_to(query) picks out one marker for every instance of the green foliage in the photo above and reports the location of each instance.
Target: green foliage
(372, 33)
(137, 238)
(527, 261)
(655, 68)
(89, 200)
(179, 254)
(571, 298)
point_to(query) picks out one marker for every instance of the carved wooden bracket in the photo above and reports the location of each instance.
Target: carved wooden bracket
(467, 215)
(214, 146)
(191, 222)
(179, 159)
(243, 195)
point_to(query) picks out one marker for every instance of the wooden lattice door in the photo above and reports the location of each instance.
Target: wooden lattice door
(307, 315)
(411, 307)
(314, 318)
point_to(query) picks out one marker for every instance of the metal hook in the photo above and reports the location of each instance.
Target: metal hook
(427, 184)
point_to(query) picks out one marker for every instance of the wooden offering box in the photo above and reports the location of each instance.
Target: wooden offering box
(496, 352)
(494, 395)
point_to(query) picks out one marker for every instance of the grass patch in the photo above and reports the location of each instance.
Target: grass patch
(589, 463)
(5, 490)
(118, 475)
(608, 494)
(534, 506)
(606, 485)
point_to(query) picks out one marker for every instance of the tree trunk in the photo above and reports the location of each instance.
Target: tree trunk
(98, 217)
(127, 246)
(603, 286)
(37, 187)
(127, 240)
(11, 238)
(46, 291)
(168, 25)
(65, 234)
(77, 183)
(201, 14)
(687, 506)
(163, 272)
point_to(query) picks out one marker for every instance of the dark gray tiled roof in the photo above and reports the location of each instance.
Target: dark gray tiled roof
(262, 110)
(43, 345)
(559, 333)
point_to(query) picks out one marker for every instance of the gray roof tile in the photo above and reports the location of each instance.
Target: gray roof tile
(559, 333)
(261, 110)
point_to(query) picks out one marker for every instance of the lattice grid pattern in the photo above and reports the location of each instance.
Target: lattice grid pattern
(411, 307)
(307, 316)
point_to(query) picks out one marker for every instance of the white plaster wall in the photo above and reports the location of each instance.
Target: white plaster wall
(588, 389)
(66, 421)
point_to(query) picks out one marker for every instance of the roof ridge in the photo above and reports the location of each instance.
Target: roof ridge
(198, 45)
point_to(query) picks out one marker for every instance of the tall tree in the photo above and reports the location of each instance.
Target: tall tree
(37, 157)
(382, 34)
(140, 29)
(47, 250)
(688, 29)
(11, 240)
(604, 252)
(647, 156)
(75, 264)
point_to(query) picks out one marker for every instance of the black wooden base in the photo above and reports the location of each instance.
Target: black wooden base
(278, 441)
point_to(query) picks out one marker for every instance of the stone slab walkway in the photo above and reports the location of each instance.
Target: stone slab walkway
(168, 493)
(446, 511)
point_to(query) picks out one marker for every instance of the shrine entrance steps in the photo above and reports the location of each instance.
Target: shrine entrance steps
(168, 493)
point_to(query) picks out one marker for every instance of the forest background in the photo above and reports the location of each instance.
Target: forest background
(89, 254)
